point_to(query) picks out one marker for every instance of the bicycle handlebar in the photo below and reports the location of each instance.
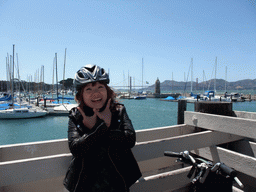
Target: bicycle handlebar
(184, 155)
(173, 154)
(224, 169)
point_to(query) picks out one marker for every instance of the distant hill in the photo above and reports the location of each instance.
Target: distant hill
(246, 84)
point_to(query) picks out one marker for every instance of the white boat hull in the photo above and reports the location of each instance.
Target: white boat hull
(21, 113)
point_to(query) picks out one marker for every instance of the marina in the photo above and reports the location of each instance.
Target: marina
(158, 114)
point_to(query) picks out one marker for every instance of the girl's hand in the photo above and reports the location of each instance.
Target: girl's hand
(88, 121)
(105, 115)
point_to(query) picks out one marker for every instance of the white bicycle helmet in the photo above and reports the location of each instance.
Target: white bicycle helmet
(88, 74)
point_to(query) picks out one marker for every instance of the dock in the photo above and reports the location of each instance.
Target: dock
(58, 113)
(229, 137)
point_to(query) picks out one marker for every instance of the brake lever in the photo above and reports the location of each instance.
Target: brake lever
(192, 170)
(206, 173)
(239, 182)
(198, 176)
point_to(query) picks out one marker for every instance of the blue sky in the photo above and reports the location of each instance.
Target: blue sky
(116, 35)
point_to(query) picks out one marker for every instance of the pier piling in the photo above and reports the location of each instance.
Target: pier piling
(218, 108)
(182, 107)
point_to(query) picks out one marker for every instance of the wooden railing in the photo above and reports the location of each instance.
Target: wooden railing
(41, 166)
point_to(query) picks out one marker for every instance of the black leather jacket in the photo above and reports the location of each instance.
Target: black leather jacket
(88, 146)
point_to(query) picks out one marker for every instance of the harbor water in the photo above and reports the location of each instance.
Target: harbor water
(148, 113)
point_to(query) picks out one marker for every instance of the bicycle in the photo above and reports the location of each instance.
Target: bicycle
(208, 176)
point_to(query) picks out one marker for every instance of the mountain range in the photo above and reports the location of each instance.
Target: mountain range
(246, 84)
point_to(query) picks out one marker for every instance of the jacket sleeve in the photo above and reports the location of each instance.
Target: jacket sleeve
(124, 134)
(80, 143)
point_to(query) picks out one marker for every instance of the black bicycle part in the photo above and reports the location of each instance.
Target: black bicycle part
(173, 154)
(206, 179)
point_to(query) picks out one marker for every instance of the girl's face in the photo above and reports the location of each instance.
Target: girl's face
(95, 96)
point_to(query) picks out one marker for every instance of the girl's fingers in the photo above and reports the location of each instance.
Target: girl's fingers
(104, 115)
(95, 111)
(81, 111)
(108, 105)
(88, 121)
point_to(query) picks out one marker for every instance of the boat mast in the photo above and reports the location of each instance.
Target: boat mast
(130, 85)
(13, 76)
(142, 75)
(43, 78)
(18, 76)
(53, 77)
(8, 74)
(191, 75)
(6, 67)
(64, 74)
(57, 77)
(38, 83)
(226, 79)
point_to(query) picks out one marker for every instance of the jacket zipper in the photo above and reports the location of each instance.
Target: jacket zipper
(78, 126)
(79, 176)
(117, 171)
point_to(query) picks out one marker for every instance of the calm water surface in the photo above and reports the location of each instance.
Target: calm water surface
(144, 114)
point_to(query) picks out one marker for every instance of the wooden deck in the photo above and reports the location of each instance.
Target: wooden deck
(41, 166)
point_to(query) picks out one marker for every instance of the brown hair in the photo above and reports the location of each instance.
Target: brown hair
(110, 95)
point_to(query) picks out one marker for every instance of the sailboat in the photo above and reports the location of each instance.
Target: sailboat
(141, 96)
(19, 113)
(193, 97)
(60, 107)
(211, 95)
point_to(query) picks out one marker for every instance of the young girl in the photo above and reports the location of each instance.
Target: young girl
(100, 137)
